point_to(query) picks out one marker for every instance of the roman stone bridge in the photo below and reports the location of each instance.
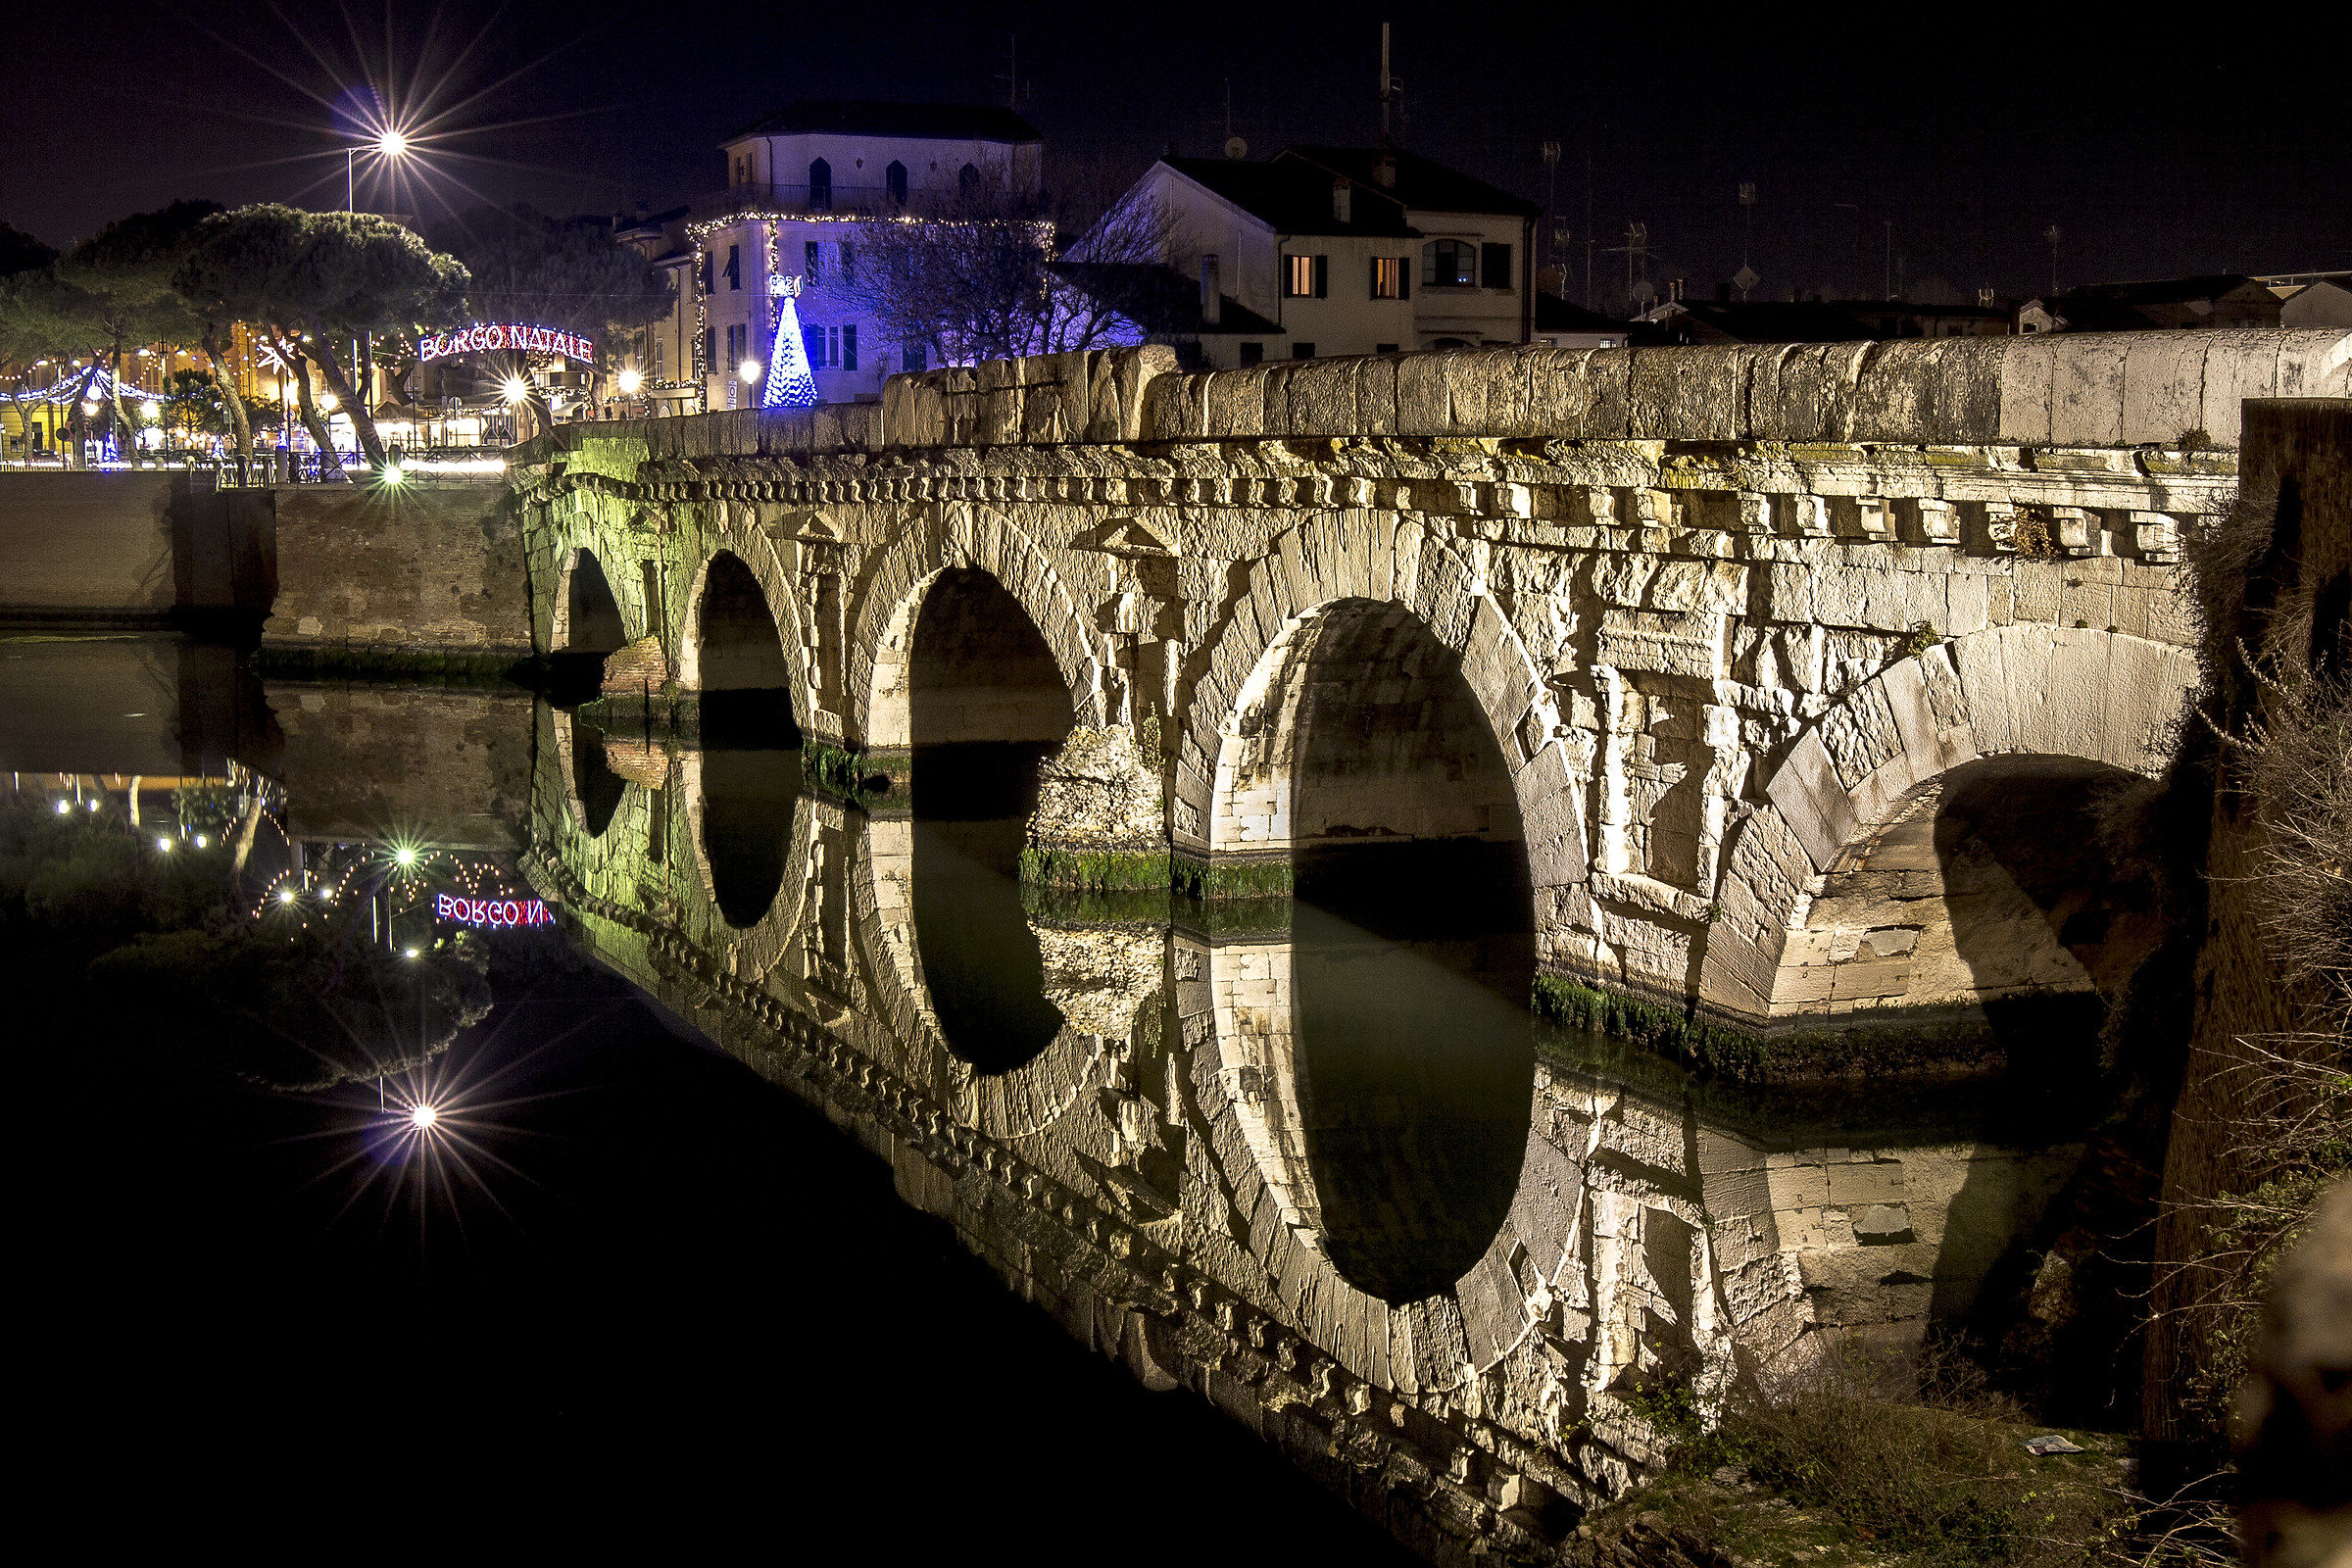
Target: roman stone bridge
(1784, 673)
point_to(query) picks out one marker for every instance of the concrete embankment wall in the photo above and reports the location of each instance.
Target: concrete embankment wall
(130, 548)
(426, 569)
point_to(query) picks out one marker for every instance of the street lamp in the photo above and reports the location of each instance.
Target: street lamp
(390, 144)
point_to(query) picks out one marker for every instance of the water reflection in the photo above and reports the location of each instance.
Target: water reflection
(747, 801)
(982, 964)
(1414, 1063)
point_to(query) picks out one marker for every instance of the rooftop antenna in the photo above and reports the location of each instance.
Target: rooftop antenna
(1551, 199)
(2051, 234)
(1637, 252)
(1012, 71)
(1391, 92)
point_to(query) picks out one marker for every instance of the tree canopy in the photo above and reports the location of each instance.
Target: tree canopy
(526, 267)
(314, 281)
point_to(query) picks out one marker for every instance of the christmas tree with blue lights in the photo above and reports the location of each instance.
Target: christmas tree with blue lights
(789, 383)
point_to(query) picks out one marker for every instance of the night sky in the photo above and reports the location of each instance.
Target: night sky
(2156, 148)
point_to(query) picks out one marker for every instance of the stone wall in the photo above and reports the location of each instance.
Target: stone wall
(424, 568)
(448, 769)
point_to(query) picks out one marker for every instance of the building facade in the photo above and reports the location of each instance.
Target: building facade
(1343, 251)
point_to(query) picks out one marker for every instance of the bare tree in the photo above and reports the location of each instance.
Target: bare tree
(983, 282)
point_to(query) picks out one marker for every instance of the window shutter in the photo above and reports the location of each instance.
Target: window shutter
(848, 345)
(1375, 265)
(1322, 278)
(1404, 277)
(1494, 266)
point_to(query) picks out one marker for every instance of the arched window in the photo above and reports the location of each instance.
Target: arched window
(967, 182)
(821, 186)
(1449, 264)
(894, 180)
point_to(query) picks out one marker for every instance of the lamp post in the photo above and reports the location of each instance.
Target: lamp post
(387, 145)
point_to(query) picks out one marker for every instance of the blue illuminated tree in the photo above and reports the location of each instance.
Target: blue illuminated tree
(789, 383)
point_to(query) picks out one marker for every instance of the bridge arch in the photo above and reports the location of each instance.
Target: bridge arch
(736, 649)
(2028, 710)
(1367, 582)
(588, 616)
(901, 579)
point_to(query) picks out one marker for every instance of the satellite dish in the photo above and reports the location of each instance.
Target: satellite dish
(1644, 292)
(1236, 148)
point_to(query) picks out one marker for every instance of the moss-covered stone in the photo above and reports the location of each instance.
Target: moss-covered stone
(1213, 879)
(1096, 870)
(406, 666)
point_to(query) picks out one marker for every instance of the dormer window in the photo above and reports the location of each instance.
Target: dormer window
(821, 186)
(893, 181)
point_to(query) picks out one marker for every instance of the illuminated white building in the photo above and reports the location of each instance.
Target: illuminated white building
(800, 184)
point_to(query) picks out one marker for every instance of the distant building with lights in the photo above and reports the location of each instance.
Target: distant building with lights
(799, 184)
(1323, 251)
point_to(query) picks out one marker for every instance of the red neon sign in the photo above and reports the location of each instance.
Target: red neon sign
(492, 337)
(492, 913)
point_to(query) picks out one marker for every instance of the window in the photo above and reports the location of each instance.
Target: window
(811, 261)
(915, 358)
(1449, 263)
(849, 344)
(739, 349)
(711, 351)
(1303, 351)
(1254, 354)
(1494, 266)
(821, 186)
(735, 266)
(1384, 348)
(1306, 278)
(1391, 280)
(893, 181)
(967, 183)
(849, 261)
(705, 271)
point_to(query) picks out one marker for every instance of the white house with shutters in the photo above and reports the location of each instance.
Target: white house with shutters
(1332, 250)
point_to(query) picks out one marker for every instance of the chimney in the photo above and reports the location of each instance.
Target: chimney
(1342, 201)
(1212, 292)
(1384, 172)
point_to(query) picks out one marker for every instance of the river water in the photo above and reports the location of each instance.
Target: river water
(258, 933)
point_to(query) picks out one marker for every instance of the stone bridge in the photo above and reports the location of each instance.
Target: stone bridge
(1784, 673)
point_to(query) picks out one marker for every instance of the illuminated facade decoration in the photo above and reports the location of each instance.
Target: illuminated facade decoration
(492, 337)
(789, 383)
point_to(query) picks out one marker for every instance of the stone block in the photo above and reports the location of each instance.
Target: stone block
(2087, 390)
(1690, 394)
(1423, 408)
(1693, 644)
(1718, 587)
(1813, 803)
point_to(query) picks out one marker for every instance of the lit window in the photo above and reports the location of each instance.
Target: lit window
(1389, 278)
(1300, 281)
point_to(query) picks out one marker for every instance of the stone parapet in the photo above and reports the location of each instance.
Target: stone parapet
(2164, 389)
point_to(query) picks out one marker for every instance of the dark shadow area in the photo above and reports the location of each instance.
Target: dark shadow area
(547, 1313)
(593, 612)
(745, 697)
(2020, 837)
(1412, 958)
(598, 787)
(747, 822)
(986, 704)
